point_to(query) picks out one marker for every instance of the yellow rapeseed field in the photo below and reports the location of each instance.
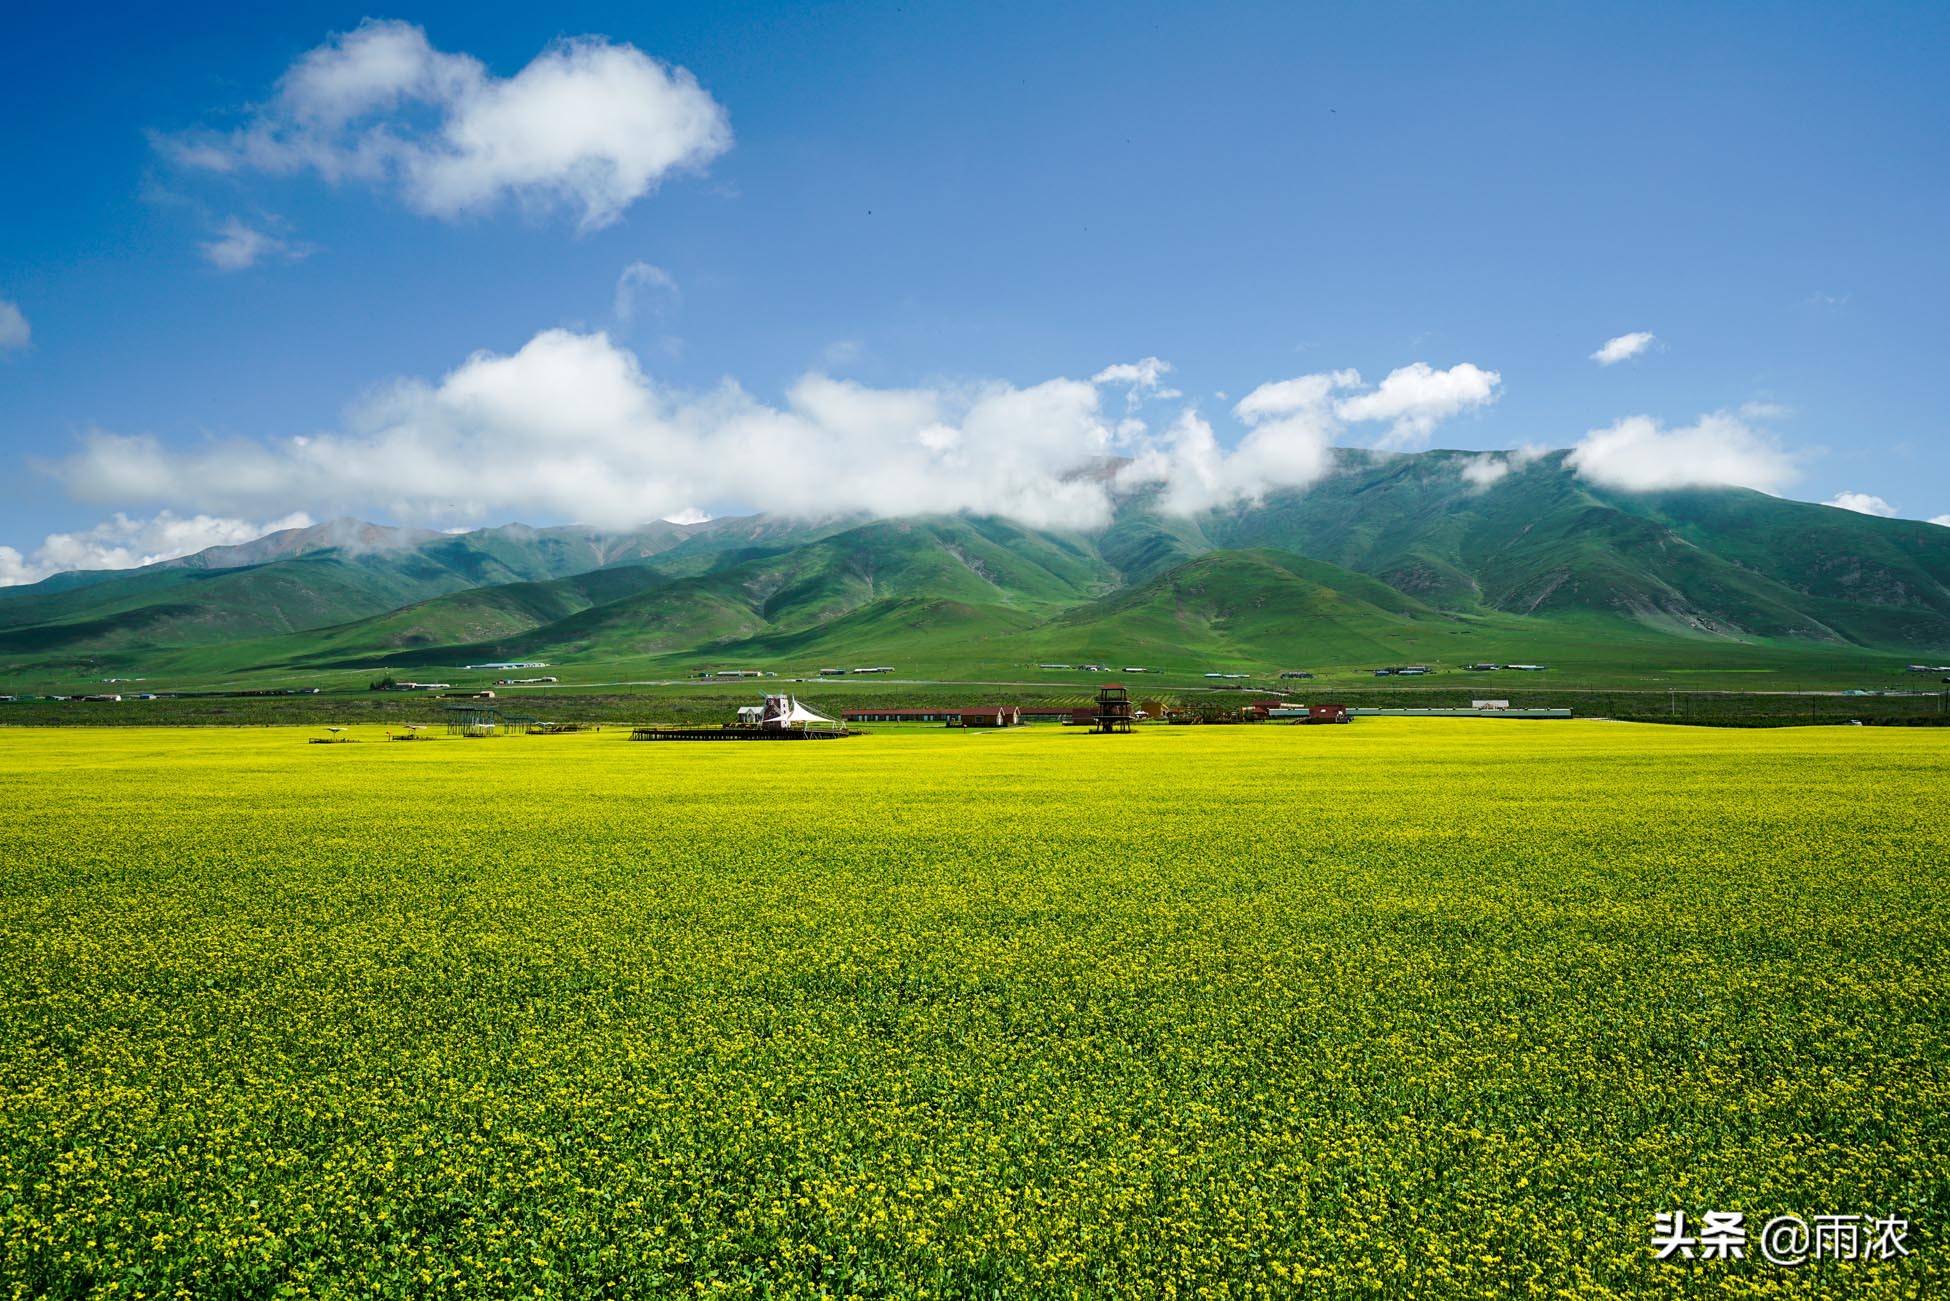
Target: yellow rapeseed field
(1408, 1007)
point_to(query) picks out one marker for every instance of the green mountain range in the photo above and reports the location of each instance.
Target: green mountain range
(1392, 558)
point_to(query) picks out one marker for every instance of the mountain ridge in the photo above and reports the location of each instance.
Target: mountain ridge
(1375, 556)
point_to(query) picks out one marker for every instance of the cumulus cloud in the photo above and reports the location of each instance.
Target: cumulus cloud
(571, 425)
(1943, 520)
(1417, 397)
(1624, 347)
(642, 282)
(14, 330)
(589, 125)
(125, 543)
(1862, 503)
(16, 568)
(1639, 454)
(1290, 427)
(1145, 380)
(239, 245)
(1196, 473)
(1286, 397)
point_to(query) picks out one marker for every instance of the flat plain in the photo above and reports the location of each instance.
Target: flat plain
(1407, 1007)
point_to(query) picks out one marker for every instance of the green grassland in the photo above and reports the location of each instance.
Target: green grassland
(1256, 612)
(1403, 1008)
(716, 701)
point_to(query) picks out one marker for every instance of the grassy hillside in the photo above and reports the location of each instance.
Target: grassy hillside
(921, 578)
(1723, 562)
(863, 597)
(1391, 558)
(1264, 605)
(176, 607)
(297, 581)
(1875, 581)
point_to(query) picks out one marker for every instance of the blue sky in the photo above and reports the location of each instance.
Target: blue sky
(952, 218)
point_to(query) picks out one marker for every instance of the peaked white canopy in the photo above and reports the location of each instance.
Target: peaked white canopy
(785, 711)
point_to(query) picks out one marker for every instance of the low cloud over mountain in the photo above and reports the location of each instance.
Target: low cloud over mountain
(571, 426)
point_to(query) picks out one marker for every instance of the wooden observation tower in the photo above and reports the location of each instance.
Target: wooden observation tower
(1113, 708)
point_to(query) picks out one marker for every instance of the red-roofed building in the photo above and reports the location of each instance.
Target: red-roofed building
(992, 716)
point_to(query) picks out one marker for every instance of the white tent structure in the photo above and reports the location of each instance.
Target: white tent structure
(783, 711)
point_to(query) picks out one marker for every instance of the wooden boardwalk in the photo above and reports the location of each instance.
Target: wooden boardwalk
(734, 734)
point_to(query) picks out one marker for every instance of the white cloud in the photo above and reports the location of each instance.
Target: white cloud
(690, 516)
(588, 125)
(1417, 397)
(641, 280)
(1638, 454)
(14, 330)
(573, 427)
(1485, 470)
(1187, 463)
(1306, 393)
(1862, 503)
(1146, 380)
(1624, 347)
(239, 245)
(125, 543)
(1291, 425)
(1489, 468)
(1943, 520)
